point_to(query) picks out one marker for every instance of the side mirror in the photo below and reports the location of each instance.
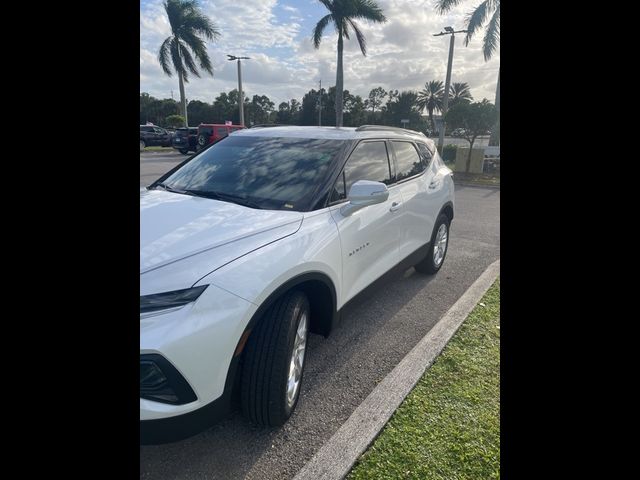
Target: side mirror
(364, 193)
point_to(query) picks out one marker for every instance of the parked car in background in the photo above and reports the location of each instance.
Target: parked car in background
(458, 132)
(154, 136)
(262, 238)
(185, 140)
(211, 132)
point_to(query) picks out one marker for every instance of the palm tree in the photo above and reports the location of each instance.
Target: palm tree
(475, 21)
(431, 98)
(188, 25)
(459, 92)
(343, 13)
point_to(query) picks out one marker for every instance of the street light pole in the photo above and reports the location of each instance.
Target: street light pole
(320, 105)
(447, 83)
(241, 94)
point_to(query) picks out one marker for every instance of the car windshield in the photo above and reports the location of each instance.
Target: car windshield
(261, 172)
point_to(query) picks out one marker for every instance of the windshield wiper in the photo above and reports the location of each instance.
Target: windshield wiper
(226, 197)
(171, 189)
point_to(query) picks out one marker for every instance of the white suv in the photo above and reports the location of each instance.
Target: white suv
(261, 238)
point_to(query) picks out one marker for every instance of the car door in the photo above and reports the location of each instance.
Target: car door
(421, 191)
(368, 237)
(161, 136)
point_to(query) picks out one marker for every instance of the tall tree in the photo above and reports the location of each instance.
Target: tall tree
(474, 118)
(343, 13)
(487, 12)
(376, 96)
(431, 97)
(177, 52)
(459, 92)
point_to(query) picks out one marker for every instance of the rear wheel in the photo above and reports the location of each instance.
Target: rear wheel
(202, 141)
(437, 248)
(184, 151)
(274, 361)
(142, 145)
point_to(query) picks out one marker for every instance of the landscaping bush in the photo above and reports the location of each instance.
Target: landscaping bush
(449, 153)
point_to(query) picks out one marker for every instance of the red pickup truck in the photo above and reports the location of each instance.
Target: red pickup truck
(211, 132)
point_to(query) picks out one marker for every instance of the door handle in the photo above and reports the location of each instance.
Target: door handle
(394, 206)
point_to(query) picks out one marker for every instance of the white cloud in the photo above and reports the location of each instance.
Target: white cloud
(402, 53)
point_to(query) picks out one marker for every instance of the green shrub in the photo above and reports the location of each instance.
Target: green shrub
(449, 154)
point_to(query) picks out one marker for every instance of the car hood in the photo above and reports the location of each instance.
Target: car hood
(175, 227)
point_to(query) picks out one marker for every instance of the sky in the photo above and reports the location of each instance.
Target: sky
(402, 53)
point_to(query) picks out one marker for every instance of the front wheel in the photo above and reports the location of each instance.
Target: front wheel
(437, 248)
(274, 361)
(142, 145)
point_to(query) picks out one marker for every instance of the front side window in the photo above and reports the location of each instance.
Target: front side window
(263, 172)
(369, 161)
(409, 163)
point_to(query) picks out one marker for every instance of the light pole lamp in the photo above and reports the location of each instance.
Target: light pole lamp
(241, 94)
(447, 83)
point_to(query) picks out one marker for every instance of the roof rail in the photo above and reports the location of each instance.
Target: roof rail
(264, 125)
(368, 128)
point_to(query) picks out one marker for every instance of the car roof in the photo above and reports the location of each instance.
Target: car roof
(334, 133)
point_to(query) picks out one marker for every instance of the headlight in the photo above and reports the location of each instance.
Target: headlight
(177, 298)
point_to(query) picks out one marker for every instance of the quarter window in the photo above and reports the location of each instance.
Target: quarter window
(409, 163)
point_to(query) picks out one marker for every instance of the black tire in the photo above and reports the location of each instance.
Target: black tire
(184, 151)
(267, 358)
(202, 142)
(428, 265)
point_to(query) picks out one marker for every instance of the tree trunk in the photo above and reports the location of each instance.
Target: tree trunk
(433, 122)
(183, 100)
(339, 83)
(495, 133)
(469, 156)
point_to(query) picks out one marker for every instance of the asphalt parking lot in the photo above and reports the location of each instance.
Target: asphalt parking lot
(378, 329)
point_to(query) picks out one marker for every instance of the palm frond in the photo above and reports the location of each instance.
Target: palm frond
(367, 10)
(320, 26)
(176, 58)
(443, 6)
(491, 35)
(164, 54)
(189, 63)
(200, 24)
(199, 49)
(475, 20)
(359, 36)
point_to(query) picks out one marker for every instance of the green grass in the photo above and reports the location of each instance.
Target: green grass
(448, 427)
(159, 149)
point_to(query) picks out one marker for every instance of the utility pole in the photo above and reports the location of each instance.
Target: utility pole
(447, 83)
(320, 105)
(241, 94)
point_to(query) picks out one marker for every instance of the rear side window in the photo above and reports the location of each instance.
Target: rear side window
(369, 161)
(425, 153)
(146, 129)
(221, 132)
(409, 163)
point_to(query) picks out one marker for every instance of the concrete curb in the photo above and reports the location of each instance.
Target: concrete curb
(335, 458)
(478, 185)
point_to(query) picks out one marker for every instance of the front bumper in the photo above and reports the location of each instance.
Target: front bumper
(199, 341)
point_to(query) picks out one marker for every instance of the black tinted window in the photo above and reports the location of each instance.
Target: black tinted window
(146, 129)
(276, 173)
(425, 152)
(339, 192)
(408, 161)
(369, 161)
